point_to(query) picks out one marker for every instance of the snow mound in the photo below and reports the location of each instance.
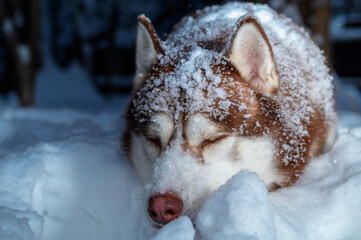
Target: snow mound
(238, 210)
(63, 179)
(20, 225)
(180, 229)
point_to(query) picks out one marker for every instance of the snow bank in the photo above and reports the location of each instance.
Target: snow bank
(238, 210)
(180, 229)
(19, 225)
(64, 179)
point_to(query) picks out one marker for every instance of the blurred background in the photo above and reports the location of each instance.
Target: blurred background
(53, 48)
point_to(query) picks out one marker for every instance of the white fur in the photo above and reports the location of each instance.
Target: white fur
(222, 151)
(253, 58)
(143, 152)
(162, 127)
(198, 128)
(258, 155)
(146, 55)
(140, 160)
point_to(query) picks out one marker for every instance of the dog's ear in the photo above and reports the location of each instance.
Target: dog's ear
(148, 46)
(250, 52)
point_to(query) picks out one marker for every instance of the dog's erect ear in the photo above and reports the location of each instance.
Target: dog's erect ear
(250, 52)
(148, 46)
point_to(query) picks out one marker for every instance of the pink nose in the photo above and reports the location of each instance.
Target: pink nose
(163, 208)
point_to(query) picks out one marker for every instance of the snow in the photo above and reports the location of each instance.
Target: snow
(70, 88)
(19, 225)
(67, 173)
(63, 176)
(180, 229)
(238, 210)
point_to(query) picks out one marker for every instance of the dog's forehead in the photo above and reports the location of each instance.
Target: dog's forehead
(190, 124)
(161, 122)
(201, 82)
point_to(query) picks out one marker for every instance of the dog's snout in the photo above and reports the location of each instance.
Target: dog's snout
(164, 208)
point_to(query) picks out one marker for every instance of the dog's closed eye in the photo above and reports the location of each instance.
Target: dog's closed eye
(154, 140)
(213, 140)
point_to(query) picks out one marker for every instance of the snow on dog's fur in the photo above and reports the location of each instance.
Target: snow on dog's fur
(232, 87)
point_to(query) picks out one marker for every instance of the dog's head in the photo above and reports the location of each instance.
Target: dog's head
(200, 113)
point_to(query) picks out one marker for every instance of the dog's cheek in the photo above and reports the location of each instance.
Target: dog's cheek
(222, 151)
(152, 151)
(139, 157)
(258, 155)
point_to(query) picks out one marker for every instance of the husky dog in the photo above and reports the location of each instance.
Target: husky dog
(231, 87)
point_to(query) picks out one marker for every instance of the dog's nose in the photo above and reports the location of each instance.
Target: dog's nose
(163, 208)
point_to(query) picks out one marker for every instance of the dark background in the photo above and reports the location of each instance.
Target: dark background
(100, 35)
